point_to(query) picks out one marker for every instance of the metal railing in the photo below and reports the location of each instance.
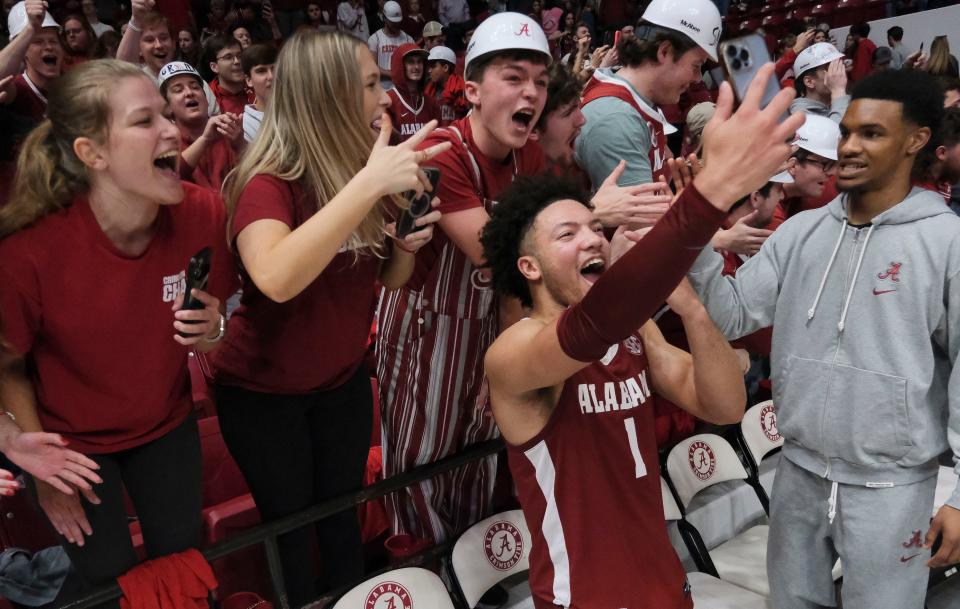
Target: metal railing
(267, 532)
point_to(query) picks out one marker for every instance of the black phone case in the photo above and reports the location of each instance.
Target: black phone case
(198, 273)
(418, 206)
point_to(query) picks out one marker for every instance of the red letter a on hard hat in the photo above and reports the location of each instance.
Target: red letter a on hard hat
(524, 30)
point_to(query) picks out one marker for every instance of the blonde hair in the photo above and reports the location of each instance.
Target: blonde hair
(49, 174)
(314, 128)
(939, 62)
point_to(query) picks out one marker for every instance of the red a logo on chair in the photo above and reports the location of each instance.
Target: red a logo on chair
(503, 545)
(702, 460)
(388, 595)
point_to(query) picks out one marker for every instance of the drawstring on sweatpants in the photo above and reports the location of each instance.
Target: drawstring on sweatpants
(832, 502)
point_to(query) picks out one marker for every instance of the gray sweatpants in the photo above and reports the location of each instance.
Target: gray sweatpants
(876, 532)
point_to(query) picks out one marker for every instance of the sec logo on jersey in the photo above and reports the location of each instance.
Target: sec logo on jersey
(503, 545)
(702, 460)
(634, 345)
(389, 595)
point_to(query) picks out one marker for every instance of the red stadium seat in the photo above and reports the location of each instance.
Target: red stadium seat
(799, 14)
(825, 12)
(775, 23)
(749, 25)
(850, 11)
(24, 525)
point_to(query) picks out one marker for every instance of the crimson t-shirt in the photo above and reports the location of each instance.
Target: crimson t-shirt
(218, 160)
(96, 324)
(27, 102)
(316, 340)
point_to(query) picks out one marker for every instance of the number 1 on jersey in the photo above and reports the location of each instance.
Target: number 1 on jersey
(640, 469)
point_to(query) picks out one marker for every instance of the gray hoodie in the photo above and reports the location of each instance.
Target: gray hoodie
(866, 334)
(835, 111)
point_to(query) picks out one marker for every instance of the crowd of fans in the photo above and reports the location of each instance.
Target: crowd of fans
(288, 136)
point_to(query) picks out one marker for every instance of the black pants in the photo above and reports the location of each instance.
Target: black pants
(296, 451)
(164, 480)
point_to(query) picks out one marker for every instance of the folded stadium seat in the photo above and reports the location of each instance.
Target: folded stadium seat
(760, 439)
(775, 23)
(698, 463)
(490, 551)
(798, 14)
(825, 12)
(749, 24)
(410, 587)
(709, 592)
(851, 11)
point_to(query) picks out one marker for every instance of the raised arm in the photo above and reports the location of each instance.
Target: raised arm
(129, 48)
(11, 56)
(282, 262)
(523, 363)
(707, 382)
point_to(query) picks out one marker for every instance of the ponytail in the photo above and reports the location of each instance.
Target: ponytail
(49, 173)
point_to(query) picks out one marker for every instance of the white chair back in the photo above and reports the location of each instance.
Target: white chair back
(701, 461)
(410, 588)
(671, 511)
(490, 551)
(759, 430)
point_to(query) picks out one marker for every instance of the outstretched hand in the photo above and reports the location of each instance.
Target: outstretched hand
(742, 238)
(45, 456)
(635, 206)
(744, 148)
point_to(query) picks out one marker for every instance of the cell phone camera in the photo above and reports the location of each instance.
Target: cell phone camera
(739, 57)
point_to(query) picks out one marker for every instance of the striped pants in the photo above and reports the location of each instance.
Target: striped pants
(434, 403)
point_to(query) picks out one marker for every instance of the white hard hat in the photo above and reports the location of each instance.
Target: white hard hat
(814, 56)
(173, 69)
(783, 177)
(507, 32)
(392, 11)
(442, 53)
(698, 19)
(819, 135)
(17, 20)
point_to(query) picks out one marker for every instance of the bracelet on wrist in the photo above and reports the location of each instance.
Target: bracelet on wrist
(220, 333)
(133, 26)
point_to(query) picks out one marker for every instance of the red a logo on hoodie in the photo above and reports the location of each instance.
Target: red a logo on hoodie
(892, 273)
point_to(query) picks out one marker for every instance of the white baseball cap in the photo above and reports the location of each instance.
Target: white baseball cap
(393, 12)
(819, 135)
(173, 69)
(17, 20)
(507, 32)
(698, 19)
(442, 54)
(814, 56)
(432, 28)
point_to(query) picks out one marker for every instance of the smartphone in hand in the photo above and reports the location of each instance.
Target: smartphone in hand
(198, 273)
(419, 206)
(741, 59)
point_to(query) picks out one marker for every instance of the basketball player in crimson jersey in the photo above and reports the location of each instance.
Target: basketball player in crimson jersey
(571, 385)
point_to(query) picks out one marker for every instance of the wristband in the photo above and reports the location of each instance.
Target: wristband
(220, 333)
(136, 28)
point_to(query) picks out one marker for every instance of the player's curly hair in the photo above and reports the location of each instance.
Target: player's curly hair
(502, 237)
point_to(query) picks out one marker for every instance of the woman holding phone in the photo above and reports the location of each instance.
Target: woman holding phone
(308, 209)
(93, 249)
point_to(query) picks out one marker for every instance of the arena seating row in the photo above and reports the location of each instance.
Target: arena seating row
(777, 16)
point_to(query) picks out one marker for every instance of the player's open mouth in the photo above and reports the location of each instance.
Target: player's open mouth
(592, 269)
(192, 103)
(167, 163)
(50, 60)
(573, 139)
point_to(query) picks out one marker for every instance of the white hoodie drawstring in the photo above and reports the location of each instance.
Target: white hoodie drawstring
(832, 503)
(853, 282)
(823, 282)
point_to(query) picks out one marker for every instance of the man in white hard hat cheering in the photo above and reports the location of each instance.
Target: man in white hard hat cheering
(821, 82)
(34, 41)
(812, 166)
(433, 333)
(624, 121)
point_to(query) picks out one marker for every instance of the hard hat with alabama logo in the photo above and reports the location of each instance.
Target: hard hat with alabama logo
(814, 56)
(507, 32)
(819, 135)
(698, 19)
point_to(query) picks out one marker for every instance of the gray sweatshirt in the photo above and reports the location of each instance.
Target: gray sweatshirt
(835, 111)
(866, 336)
